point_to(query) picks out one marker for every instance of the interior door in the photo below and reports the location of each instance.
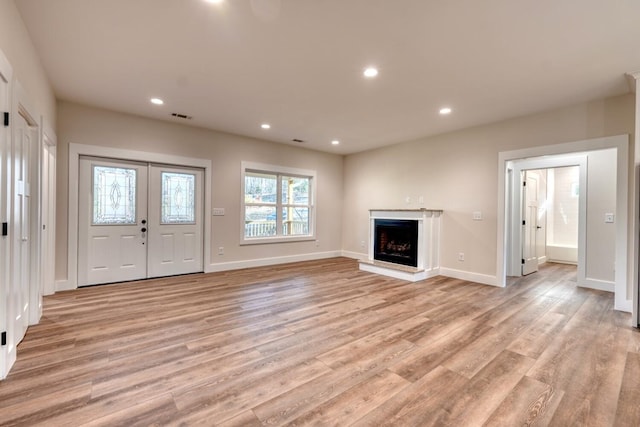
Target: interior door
(20, 235)
(175, 221)
(530, 223)
(6, 323)
(111, 221)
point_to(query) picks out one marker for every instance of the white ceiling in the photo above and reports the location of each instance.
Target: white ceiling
(297, 64)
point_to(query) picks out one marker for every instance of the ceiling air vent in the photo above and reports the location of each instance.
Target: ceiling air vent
(300, 141)
(181, 116)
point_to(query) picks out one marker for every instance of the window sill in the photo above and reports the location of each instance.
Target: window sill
(279, 239)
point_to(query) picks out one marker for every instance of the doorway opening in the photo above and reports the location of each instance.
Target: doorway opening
(603, 240)
(531, 197)
(551, 216)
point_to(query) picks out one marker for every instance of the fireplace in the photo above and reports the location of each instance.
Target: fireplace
(404, 243)
(396, 241)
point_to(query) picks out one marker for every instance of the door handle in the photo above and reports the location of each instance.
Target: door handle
(143, 229)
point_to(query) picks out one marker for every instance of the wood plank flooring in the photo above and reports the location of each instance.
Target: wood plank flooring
(322, 343)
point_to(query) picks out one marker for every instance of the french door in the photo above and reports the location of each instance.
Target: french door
(138, 220)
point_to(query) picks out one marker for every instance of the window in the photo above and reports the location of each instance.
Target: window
(277, 204)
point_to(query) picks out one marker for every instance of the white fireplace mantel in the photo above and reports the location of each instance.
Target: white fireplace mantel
(428, 244)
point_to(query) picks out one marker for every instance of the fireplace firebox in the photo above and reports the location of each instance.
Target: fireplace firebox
(396, 241)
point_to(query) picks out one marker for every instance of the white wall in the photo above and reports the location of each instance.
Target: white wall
(91, 126)
(17, 46)
(601, 199)
(457, 172)
(541, 243)
(563, 207)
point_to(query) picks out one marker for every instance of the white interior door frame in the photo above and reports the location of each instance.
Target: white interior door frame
(624, 249)
(24, 107)
(516, 196)
(47, 218)
(77, 150)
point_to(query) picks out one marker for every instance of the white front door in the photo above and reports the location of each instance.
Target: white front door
(112, 214)
(530, 223)
(175, 221)
(137, 221)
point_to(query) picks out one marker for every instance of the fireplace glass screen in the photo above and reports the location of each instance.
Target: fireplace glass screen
(396, 241)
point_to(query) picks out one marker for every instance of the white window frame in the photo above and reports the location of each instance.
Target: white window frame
(279, 170)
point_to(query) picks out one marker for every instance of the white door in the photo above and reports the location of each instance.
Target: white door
(6, 358)
(111, 215)
(138, 221)
(530, 223)
(175, 221)
(20, 234)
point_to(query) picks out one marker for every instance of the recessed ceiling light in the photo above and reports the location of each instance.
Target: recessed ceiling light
(265, 126)
(444, 111)
(157, 101)
(214, 1)
(335, 142)
(370, 72)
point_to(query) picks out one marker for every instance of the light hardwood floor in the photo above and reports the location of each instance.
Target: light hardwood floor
(321, 343)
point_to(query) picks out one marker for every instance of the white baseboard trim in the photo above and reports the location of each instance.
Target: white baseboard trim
(485, 279)
(64, 285)
(355, 255)
(599, 285)
(262, 262)
(625, 305)
(542, 260)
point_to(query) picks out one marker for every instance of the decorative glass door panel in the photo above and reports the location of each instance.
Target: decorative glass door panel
(114, 195)
(178, 198)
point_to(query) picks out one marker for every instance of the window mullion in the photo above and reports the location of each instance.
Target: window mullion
(279, 206)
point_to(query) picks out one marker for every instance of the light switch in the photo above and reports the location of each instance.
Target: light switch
(609, 217)
(477, 216)
(218, 211)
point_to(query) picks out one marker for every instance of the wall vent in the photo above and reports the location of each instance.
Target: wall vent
(298, 140)
(181, 116)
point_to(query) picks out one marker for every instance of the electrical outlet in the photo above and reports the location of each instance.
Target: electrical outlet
(317, 243)
(221, 250)
(609, 218)
(362, 244)
(477, 216)
(408, 200)
(421, 200)
(461, 256)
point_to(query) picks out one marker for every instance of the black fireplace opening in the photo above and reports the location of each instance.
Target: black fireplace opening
(396, 241)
